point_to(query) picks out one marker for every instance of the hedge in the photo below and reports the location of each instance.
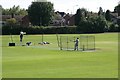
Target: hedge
(15, 30)
(6, 30)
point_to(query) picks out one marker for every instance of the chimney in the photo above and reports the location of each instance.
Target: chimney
(12, 15)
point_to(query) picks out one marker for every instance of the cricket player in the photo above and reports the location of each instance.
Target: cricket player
(21, 36)
(76, 44)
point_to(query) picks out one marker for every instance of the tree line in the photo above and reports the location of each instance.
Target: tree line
(100, 22)
(16, 10)
(42, 14)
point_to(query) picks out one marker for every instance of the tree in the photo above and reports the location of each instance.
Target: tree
(117, 9)
(100, 24)
(14, 10)
(100, 13)
(5, 11)
(84, 13)
(11, 21)
(40, 13)
(112, 27)
(78, 17)
(81, 20)
(81, 14)
(23, 12)
(107, 15)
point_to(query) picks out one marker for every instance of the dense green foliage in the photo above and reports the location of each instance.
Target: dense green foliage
(14, 10)
(113, 27)
(117, 9)
(38, 30)
(90, 24)
(107, 15)
(40, 13)
(100, 12)
(78, 17)
(6, 30)
(11, 21)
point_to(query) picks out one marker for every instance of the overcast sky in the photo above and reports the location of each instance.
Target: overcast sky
(67, 5)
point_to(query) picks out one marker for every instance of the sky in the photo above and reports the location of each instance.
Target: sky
(68, 6)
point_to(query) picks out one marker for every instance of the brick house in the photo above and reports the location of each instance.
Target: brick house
(58, 19)
(62, 20)
(114, 17)
(25, 21)
(69, 19)
(21, 20)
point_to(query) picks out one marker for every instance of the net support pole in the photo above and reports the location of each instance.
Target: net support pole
(80, 42)
(60, 43)
(11, 38)
(94, 42)
(58, 40)
(87, 42)
(67, 42)
(42, 37)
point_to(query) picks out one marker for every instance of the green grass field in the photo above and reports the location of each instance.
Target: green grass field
(47, 61)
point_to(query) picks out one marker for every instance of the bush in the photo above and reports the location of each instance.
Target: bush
(113, 28)
(92, 25)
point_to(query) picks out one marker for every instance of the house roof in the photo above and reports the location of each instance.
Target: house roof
(114, 14)
(118, 17)
(67, 16)
(61, 13)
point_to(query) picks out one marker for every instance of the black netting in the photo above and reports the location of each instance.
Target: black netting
(85, 42)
